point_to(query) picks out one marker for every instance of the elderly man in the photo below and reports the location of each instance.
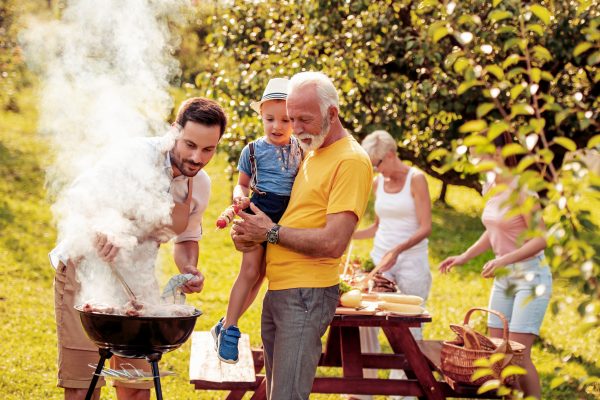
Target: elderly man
(328, 198)
(176, 171)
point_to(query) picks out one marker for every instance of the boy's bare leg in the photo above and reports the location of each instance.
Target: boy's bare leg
(242, 288)
(256, 288)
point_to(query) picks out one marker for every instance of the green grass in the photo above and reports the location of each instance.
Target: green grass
(27, 337)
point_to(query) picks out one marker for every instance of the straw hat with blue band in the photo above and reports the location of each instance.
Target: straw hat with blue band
(277, 89)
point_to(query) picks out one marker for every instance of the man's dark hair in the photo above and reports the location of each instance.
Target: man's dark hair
(203, 111)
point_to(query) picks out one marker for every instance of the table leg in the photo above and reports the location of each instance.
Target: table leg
(332, 355)
(351, 358)
(402, 341)
(261, 391)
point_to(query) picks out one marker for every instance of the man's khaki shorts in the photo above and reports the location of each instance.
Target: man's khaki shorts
(75, 350)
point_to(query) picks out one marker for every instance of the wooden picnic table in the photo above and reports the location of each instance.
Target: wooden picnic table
(417, 358)
(343, 350)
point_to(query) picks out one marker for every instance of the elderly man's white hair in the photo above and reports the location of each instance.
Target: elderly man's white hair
(378, 143)
(325, 90)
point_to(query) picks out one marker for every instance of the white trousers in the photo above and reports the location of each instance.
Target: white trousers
(412, 276)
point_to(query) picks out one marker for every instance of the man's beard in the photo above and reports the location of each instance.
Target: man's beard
(182, 166)
(316, 141)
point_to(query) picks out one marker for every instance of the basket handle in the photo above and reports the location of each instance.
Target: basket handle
(496, 313)
(470, 340)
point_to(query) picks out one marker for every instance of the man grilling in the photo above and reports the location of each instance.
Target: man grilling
(201, 123)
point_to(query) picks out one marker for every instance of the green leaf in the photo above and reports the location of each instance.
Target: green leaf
(538, 124)
(489, 385)
(566, 143)
(594, 142)
(463, 87)
(476, 125)
(515, 41)
(451, 59)
(547, 76)
(594, 58)
(516, 90)
(475, 140)
(525, 163)
(536, 28)
(496, 129)
(542, 13)
(521, 109)
(535, 74)
(495, 70)
(510, 60)
(557, 381)
(440, 33)
(515, 72)
(496, 2)
(499, 15)
(512, 370)
(512, 149)
(484, 108)
(460, 65)
(484, 166)
(437, 154)
(542, 53)
(481, 372)
(581, 48)
(561, 116)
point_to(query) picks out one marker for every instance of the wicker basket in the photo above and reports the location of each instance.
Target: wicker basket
(458, 356)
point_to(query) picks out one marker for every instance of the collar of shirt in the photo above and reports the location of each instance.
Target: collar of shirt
(169, 169)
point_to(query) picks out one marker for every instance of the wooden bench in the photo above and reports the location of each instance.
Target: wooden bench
(432, 350)
(207, 372)
(210, 373)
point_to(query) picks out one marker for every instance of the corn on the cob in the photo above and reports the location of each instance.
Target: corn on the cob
(400, 308)
(401, 298)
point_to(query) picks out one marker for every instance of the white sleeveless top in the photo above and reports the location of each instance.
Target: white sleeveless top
(397, 219)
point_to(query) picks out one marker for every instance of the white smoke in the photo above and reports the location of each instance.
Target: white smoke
(105, 69)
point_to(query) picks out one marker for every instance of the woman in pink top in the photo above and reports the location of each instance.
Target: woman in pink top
(522, 294)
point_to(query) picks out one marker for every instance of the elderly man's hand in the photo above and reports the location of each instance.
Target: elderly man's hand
(251, 230)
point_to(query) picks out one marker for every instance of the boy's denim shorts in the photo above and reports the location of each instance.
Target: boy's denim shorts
(272, 204)
(522, 296)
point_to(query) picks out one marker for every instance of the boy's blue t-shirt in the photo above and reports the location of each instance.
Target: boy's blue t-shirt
(277, 165)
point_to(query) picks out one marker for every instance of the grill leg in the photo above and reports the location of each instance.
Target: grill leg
(153, 360)
(105, 354)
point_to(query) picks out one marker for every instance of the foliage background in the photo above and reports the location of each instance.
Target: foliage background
(404, 66)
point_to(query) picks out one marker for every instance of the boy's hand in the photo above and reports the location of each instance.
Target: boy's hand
(242, 202)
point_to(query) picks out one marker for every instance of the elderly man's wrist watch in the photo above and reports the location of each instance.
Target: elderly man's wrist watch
(273, 234)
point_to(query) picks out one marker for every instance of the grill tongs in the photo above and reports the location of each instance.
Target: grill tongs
(123, 283)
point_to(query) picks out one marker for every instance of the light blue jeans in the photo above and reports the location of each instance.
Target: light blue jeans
(292, 323)
(522, 296)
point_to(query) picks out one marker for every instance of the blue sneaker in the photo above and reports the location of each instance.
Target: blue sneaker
(228, 344)
(215, 331)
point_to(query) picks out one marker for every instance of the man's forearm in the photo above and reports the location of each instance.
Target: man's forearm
(330, 241)
(186, 254)
(310, 242)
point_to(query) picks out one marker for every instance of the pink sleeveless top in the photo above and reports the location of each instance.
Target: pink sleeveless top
(503, 232)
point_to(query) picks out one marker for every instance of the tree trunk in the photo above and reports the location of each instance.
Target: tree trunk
(442, 198)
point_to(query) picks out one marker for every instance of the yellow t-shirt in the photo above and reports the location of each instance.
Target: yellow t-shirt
(333, 179)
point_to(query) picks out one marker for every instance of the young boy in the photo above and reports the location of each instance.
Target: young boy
(267, 167)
